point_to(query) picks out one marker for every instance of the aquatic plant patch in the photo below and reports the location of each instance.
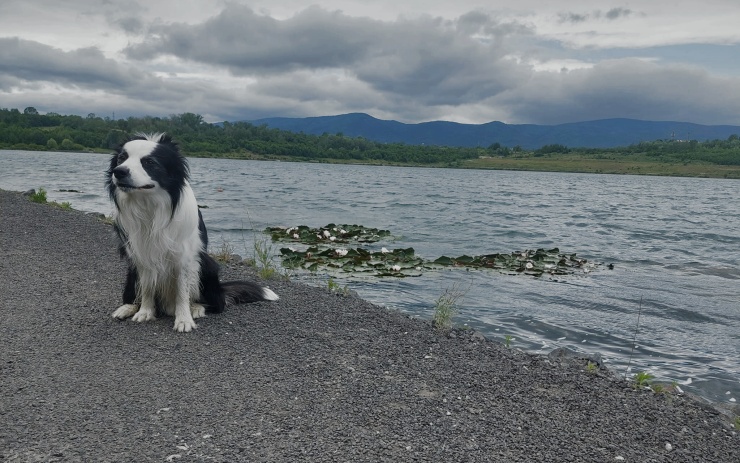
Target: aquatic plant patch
(330, 233)
(396, 263)
(531, 262)
(404, 262)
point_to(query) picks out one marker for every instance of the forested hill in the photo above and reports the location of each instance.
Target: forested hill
(607, 133)
(30, 130)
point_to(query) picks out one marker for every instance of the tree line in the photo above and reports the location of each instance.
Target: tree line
(30, 130)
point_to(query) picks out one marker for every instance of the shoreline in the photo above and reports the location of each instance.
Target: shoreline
(315, 376)
(524, 164)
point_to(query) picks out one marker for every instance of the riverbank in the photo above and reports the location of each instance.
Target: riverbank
(625, 165)
(314, 376)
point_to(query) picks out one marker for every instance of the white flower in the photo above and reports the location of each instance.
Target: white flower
(296, 236)
(332, 238)
(343, 231)
(341, 252)
(396, 268)
(327, 234)
(290, 230)
(529, 265)
(384, 251)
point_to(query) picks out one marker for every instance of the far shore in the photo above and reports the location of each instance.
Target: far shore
(554, 163)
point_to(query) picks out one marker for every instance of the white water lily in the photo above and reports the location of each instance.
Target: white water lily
(341, 252)
(343, 231)
(296, 236)
(529, 265)
(332, 238)
(396, 268)
(384, 251)
(327, 234)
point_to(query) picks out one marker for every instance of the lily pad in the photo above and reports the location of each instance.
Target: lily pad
(398, 263)
(330, 233)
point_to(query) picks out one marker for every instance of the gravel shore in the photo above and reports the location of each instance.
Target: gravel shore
(312, 377)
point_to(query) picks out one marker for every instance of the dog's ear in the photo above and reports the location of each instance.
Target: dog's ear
(167, 138)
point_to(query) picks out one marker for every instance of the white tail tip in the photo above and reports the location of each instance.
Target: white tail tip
(269, 295)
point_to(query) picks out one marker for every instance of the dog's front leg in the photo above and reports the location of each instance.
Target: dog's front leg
(148, 310)
(183, 316)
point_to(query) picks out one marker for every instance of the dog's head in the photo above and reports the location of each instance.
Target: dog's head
(147, 164)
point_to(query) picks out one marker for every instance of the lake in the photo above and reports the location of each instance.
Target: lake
(674, 244)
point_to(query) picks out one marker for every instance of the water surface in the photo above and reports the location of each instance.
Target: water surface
(674, 243)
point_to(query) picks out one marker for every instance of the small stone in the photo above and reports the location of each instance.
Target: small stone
(668, 446)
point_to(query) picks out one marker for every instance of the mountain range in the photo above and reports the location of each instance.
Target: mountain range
(603, 133)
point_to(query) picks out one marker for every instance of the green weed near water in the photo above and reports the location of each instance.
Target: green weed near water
(445, 307)
(38, 196)
(507, 340)
(224, 252)
(264, 258)
(642, 379)
(334, 287)
(591, 367)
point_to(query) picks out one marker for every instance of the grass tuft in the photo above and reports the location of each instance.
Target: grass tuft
(642, 379)
(446, 306)
(334, 287)
(38, 196)
(264, 253)
(224, 252)
(507, 340)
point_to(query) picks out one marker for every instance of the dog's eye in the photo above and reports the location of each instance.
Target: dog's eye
(122, 157)
(148, 162)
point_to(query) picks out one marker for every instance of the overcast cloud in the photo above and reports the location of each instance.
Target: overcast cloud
(466, 61)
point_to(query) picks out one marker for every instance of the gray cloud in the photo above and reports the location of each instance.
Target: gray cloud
(572, 17)
(33, 61)
(239, 64)
(628, 88)
(616, 13)
(612, 14)
(439, 61)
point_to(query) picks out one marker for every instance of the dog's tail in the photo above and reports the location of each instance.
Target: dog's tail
(240, 292)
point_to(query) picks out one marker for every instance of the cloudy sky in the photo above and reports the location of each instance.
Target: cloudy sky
(469, 61)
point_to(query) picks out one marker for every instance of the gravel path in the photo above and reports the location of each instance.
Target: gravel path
(312, 377)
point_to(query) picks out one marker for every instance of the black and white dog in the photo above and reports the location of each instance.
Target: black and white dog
(164, 239)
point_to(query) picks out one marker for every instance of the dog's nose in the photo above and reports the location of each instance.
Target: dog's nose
(121, 172)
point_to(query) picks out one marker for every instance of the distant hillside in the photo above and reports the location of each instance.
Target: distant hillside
(604, 133)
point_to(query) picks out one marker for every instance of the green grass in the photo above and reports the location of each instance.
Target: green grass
(264, 258)
(628, 164)
(66, 205)
(334, 287)
(446, 307)
(38, 196)
(737, 423)
(642, 379)
(224, 251)
(591, 367)
(507, 340)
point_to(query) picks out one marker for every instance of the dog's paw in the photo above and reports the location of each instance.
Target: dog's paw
(144, 315)
(197, 310)
(125, 311)
(184, 326)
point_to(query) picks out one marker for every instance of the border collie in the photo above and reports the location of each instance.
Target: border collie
(163, 238)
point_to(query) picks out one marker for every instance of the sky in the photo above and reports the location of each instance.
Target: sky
(468, 61)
